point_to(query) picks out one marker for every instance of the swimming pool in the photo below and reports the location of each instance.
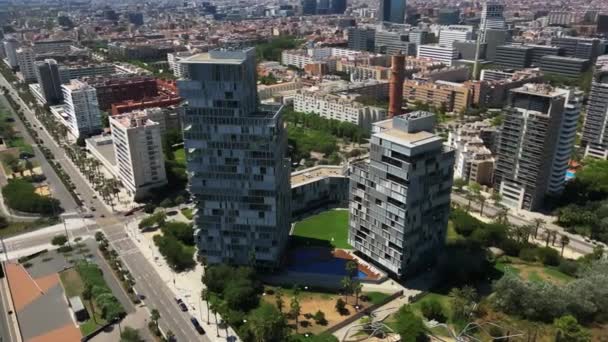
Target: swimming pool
(312, 261)
(570, 174)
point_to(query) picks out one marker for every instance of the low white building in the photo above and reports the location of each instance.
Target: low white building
(140, 164)
(179, 70)
(441, 53)
(341, 107)
(81, 110)
(455, 33)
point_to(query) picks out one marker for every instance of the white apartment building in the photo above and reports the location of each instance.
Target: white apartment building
(10, 49)
(300, 58)
(26, 59)
(441, 53)
(179, 70)
(81, 109)
(140, 164)
(474, 160)
(455, 33)
(341, 107)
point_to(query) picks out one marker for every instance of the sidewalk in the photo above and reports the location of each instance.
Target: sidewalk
(185, 285)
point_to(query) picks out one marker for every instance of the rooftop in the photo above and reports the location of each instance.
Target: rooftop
(138, 118)
(541, 89)
(404, 138)
(315, 173)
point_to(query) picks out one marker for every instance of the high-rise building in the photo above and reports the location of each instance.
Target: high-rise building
(595, 128)
(392, 11)
(400, 199)
(10, 49)
(138, 151)
(493, 39)
(448, 16)
(361, 38)
(309, 7)
(49, 80)
(491, 17)
(534, 146)
(338, 6)
(81, 110)
(455, 33)
(236, 151)
(26, 60)
(136, 18)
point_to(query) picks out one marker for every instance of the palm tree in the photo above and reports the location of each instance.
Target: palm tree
(214, 307)
(155, 316)
(469, 197)
(205, 297)
(347, 286)
(295, 310)
(496, 197)
(482, 200)
(540, 223)
(357, 287)
(279, 300)
(564, 241)
(502, 215)
(553, 237)
(547, 237)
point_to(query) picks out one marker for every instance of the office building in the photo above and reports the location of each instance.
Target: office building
(337, 6)
(494, 39)
(602, 24)
(595, 129)
(448, 16)
(136, 18)
(49, 80)
(10, 50)
(468, 49)
(530, 149)
(309, 7)
(361, 38)
(540, 51)
(239, 173)
(492, 16)
(26, 59)
(394, 43)
(392, 11)
(514, 56)
(455, 33)
(440, 53)
(81, 111)
(580, 47)
(138, 150)
(62, 46)
(564, 66)
(400, 199)
(341, 107)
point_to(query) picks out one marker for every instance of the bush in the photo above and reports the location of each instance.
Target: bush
(149, 208)
(319, 318)
(99, 236)
(528, 254)
(59, 240)
(341, 306)
(511, 247)
(177, 256)
(432, 310)
(568, 267)
(184, 232)
(65, 249)
(20, 195)
(96, 288)
(549, 256)
(166, 203)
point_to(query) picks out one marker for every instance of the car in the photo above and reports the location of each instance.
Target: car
(197, 325)
(178, 300)
(102, 215)
(88, 216)
(93, 209)
(183, 306)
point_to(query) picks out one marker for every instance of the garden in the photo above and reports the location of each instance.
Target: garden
(328, 227)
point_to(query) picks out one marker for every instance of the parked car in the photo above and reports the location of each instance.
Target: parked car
(183, 306)
(197, 325)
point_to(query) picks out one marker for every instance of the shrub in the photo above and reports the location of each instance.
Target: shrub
(59, 240)
(177, 256)
(99, 236)
(432, 310)
(341, 306)
(65, 249)
(20, 196)
(511, 247)
(568, 267)
(166, 203)
(184, 232)
(548, 256)
(149, 208)
(319, 318)
(528, 254)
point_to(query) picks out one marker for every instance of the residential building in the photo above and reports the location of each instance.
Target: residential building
(26, 59)
(119, 89)
(75, 71)
(49, 80)
(81, 110)
(158, 101)
(564, 66)
(392, 11)
(493, 89)
(437, 52)
(341, 107)
(455, 33)
(178, 69)
(400, 198)
(62, 46)
(138, 151)
(595, 129)
(453, 97)
(239, 173)
(318, 187)
(529, 149)
(473, 144)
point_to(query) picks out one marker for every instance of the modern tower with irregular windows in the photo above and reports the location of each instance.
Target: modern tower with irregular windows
(236, 151)
(400, 198)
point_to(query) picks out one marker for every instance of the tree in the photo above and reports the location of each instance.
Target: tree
(539, 223)
(357, 287)
(568, 330)
(496, 197)
(205, 298)
(267, 324)
(129, 334)
(319, 317)
(482, 201)
(154, 317)
(347, 284)
(409, 326)
(279, 300)
(503, 215)
(459, 183)
(463, 302)
(475, 188)
(564, 241)
(351, 268)
(340, 306)
(295, 310)
(432, 310)
(59, 240)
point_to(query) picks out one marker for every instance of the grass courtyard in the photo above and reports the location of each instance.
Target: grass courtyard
(180, 156)
(330, 226)
(74, 286)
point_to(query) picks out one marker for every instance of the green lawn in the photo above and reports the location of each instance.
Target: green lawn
(331, 226)
(21, 144)
(187, 212)
(376, 297)
(452, 235)
(532, 271)
(180, 156)
(442, 299)
(73, 286)
(15, 228)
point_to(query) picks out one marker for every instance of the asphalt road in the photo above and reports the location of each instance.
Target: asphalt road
(5, 325)
(577, 243)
